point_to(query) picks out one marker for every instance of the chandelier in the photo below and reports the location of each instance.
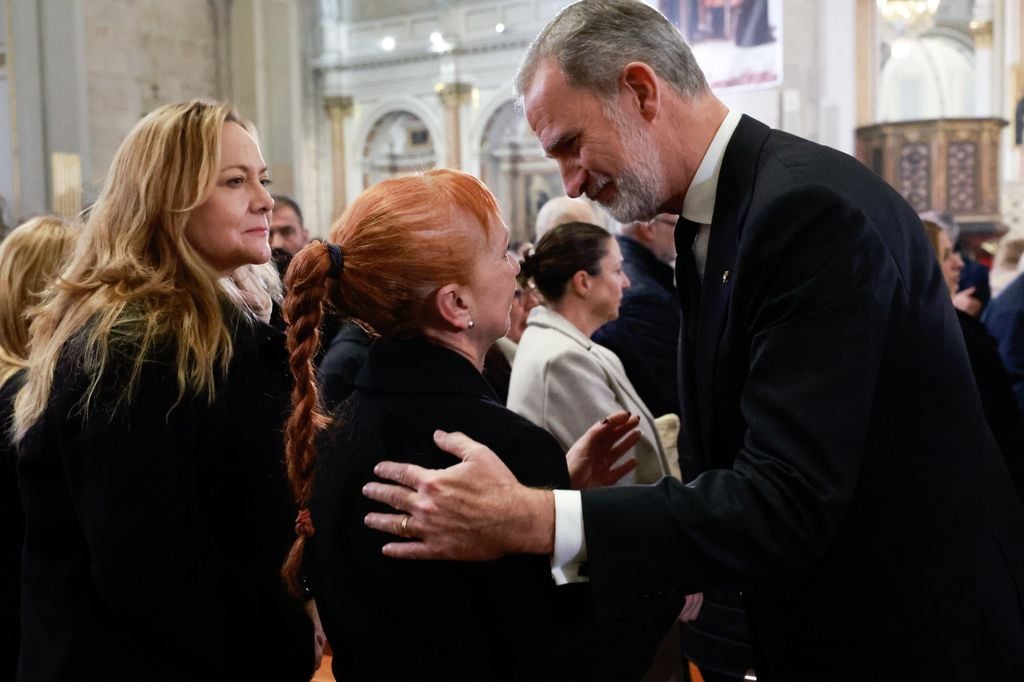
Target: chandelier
(908, 17)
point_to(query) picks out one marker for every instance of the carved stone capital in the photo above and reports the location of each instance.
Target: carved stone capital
(453, 94)
(340, 105)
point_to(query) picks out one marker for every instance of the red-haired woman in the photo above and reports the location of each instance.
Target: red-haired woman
(422, 261)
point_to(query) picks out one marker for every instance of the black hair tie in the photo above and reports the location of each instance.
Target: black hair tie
(337, 257)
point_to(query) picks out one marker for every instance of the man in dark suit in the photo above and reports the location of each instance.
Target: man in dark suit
(645, 335)
(850, 483)
(1005, 321)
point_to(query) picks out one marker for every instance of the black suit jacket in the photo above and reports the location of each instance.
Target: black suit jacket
(1004, 319)
(403, 620)
(997, 398)
(154, 536)
(850, 481)
(647, 330)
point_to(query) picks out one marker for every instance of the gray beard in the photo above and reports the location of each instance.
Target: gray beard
(638, 185)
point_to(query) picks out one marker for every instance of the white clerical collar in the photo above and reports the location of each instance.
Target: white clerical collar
(699, 203)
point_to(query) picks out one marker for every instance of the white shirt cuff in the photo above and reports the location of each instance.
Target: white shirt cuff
(570, 545)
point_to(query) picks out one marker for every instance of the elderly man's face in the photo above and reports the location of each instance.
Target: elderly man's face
(600, 152)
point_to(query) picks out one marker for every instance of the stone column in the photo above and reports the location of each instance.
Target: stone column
(338, 109)
(66, 184)
(221, 11)
(453, 96)
(982, 29)
(867, 62)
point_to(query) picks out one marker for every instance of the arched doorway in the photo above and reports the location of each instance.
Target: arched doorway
(398, 143)
(513, 165)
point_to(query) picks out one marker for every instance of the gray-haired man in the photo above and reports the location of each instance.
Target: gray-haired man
(850, 482)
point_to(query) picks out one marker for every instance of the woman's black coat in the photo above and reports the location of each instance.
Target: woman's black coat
(12, 523)
(388, 619)
(155, 533)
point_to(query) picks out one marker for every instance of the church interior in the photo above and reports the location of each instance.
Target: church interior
(345, 93)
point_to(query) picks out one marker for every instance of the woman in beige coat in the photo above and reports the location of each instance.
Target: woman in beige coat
(561, 380)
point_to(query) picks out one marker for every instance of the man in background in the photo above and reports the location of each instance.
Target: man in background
(560, 210)
(286, 229)
(646, 334)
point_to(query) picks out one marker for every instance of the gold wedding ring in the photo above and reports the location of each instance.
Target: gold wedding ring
(404, 528)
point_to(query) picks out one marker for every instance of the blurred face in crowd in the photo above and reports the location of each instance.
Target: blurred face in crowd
(599, 150)
(950, 262)
(493, 284)
(286, 230)
(606, 287)
(524, 300)
(230, 228)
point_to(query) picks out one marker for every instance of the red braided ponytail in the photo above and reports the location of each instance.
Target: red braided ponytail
(307, 284)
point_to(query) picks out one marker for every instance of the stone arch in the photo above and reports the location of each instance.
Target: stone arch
(515, 168)
(397, 142)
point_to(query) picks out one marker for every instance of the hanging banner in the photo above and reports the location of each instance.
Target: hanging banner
(738, 43)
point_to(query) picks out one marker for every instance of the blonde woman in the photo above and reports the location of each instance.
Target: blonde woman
(30, 259)
(157, 513)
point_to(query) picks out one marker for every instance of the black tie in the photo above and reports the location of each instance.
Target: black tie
(687, 279)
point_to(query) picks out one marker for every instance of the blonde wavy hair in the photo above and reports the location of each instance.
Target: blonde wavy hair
(134, 282)
(31, 257)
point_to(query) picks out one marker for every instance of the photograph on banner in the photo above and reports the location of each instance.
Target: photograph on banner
(738, 43)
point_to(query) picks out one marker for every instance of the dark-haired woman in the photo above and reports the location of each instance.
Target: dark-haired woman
(423, 262)
(561, 380)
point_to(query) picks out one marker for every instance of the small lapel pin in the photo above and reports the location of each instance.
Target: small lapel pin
(725, 277)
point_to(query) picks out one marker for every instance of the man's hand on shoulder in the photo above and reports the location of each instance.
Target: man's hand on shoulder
(475, 510)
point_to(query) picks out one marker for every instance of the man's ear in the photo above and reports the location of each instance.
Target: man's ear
(449, 306)
(639, 84)
(580, 283)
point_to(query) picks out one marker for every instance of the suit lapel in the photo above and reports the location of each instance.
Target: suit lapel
(732, 200)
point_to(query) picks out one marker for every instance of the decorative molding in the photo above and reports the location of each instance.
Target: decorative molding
(915, 175)
(962, 176)
(950, 164)
(336, 63)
